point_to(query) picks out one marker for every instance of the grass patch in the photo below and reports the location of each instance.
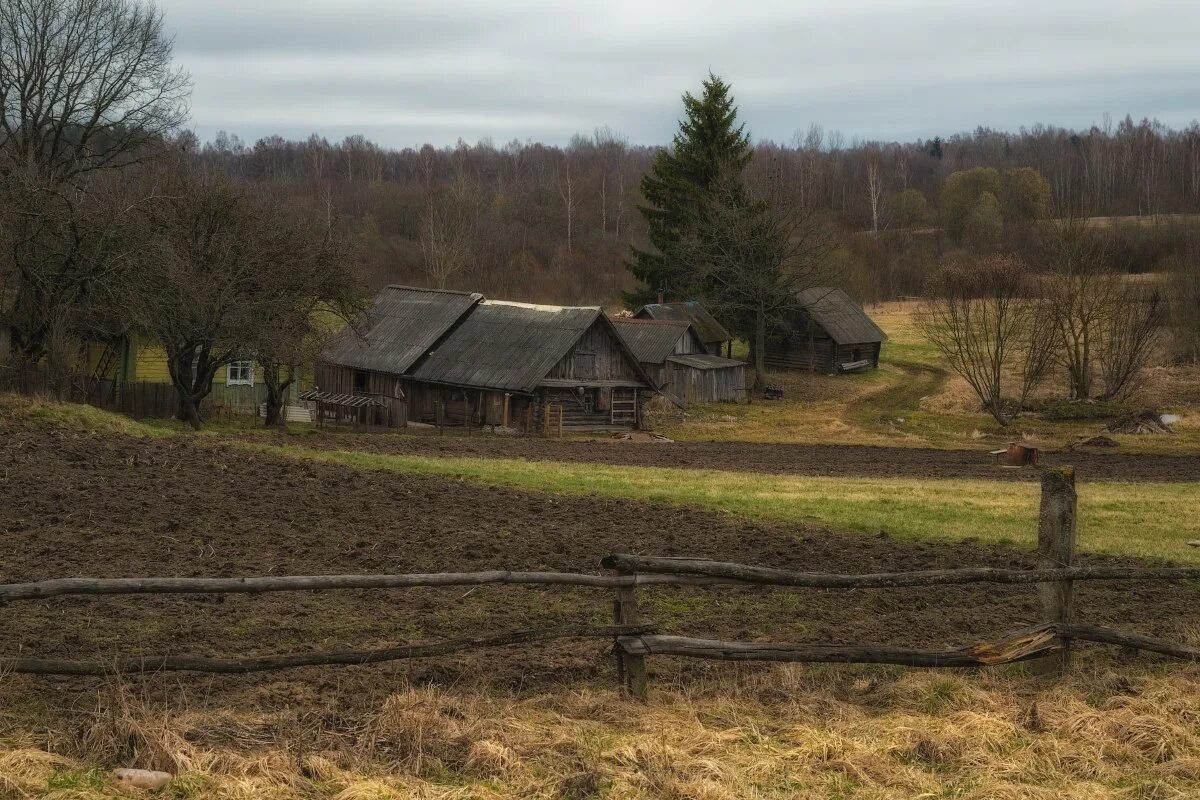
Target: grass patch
(43, 414)
(782, 732)
(1143, 520)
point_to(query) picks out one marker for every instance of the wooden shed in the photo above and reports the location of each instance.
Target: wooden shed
(828, 332)
(456, 358)
(371, 357)
(677, 361)
(712, 334)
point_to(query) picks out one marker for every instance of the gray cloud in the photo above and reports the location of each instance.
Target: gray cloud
(404, 73)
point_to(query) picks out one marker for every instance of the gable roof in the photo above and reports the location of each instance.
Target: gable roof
(704, 323)
(511, 346)
(839, 316)
(401, 325)
(651, 340)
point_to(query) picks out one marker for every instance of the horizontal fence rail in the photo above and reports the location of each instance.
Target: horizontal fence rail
(635, 639)
(1033, 642)
(766, 576)
(51, 666)
(693, 572)
(58, 587)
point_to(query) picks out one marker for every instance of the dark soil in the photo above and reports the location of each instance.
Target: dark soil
(835, 460)
(108, 506)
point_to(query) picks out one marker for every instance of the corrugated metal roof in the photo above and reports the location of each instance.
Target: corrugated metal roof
(651, 340)
(706, 326)
(839, 316)
(508, 346)
(705, 361)
(401, 325)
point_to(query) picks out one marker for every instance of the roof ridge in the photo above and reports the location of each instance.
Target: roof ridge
(427, 289)
(539, 306)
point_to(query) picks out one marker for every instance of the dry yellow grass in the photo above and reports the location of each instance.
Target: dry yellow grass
(783, 732)
(913, 401)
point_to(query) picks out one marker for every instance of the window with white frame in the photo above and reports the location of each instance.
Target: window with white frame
(240, 373)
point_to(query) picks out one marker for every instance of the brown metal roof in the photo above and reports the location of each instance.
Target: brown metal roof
(707, 328)
(839, 316)
(401, 325)
(652, 340)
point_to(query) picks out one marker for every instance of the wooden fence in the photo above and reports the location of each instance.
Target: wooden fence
(635, 639)
(137, 399)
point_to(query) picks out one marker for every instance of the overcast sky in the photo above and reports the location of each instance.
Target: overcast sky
(404, 73)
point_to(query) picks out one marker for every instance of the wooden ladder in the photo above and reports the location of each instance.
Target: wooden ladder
(624, 411)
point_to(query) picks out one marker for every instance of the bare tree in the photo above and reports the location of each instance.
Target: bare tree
(64, 247)
(317, 296)
(85, 84)
(1129, 337)
(982, 319)
(1106, 326)
(874, 191)
(566, 192)
(225, 271)
(448, 228)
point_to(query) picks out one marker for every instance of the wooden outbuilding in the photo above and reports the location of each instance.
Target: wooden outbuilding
(828, 332)
(458, 359)
(712, 334)
(371, 357)
(676, 359)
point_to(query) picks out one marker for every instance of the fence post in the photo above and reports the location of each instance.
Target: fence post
(1056, 548)
(631, 669)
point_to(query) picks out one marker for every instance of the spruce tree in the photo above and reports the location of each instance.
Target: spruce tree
(710, 144)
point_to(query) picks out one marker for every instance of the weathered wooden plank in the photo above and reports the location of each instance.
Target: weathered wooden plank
(288, 583)
(1037, 641)
(50, 666)
(1033, 642)
(744, 573)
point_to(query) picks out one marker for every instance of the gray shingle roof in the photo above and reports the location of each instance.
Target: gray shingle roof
(705, 361)
(508, 346)
(650, 340)
(707, 328)
(839, 316)
(401, 325)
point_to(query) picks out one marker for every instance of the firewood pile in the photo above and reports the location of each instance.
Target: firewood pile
(1146, 421)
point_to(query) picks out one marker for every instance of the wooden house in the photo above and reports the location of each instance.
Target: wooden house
(828, 332)
(676, 359)
(135, 363)
(456, 358)
(713, 335)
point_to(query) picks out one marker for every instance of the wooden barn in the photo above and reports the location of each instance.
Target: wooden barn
(456, 358)
(387, 340)
(829, 332)
(677, 361)
(715, 337)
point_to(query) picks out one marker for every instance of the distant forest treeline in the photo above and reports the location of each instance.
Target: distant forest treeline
(554, 224)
